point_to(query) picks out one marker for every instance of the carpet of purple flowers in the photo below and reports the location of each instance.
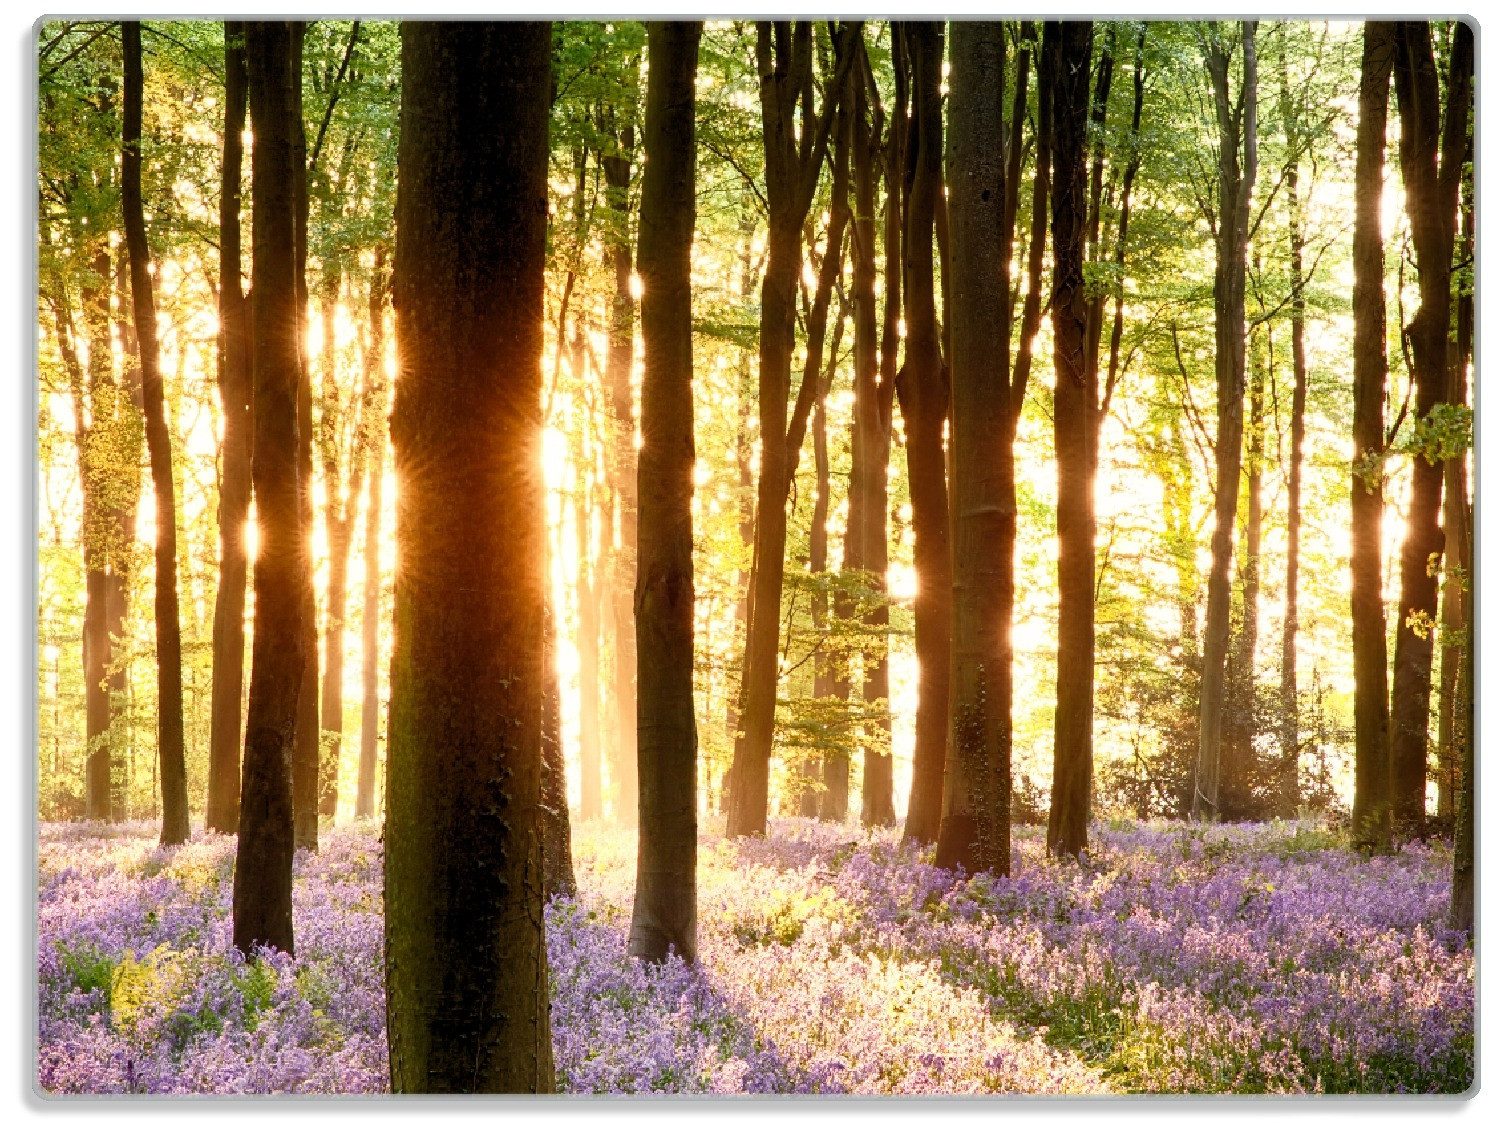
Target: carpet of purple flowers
(1174, 959)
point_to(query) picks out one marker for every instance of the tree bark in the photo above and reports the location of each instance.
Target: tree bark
(1236, 182)
(922, 391)
(664, 919)
(1433, 148)
(1367, 487)
(557, 830)
(236, 391)
(591, 804)
(170, 735)
(975, 828)
(466, 964)
(263, 863)
(1075, 395)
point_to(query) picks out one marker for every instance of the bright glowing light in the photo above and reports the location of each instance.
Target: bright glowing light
(636, 288)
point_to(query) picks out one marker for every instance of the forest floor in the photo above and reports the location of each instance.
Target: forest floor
(1173, 959)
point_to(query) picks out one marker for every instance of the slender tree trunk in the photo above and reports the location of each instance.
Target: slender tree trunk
(817, 566)
(1237, 167)
(170, 737)
(922, 391)
(794, 151)
(975, 829)
(1367, 488)
(263, 864)
(236, 390)
(591, 805)
(466, 963)
(557, 831)
(665, 914)
(1458, 572)
(1074, 403)
(619, 361)
(1432, 208)
(376, 420)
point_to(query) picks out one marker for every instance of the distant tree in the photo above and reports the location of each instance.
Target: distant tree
(1236, 115)
(1367, 487)
(1434, 146)
(263, 862)
(466, 962)
(376, 419)
(236, 389)
(664, 918)
(557, 830)
(170, 736)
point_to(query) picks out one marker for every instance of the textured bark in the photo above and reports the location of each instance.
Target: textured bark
(793, 160)
(922, 391)
(1236, 175)
(664, 919)
(466, 965)
(170, 736)
(1075, 395)
(619, 360)
(1367, 486)
(236, 391)
(263, 863)
(1433, 148)
(975, 829)
(378, 397)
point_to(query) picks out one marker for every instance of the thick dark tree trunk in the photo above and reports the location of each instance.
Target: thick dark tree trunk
(1075, 395)
(1367, 487)
(1236, 796)
(466, 963)
(975, 830)
(377, 397)
(922, 391)
(1433, 149)
(263, 865)
(794, 149)
(1237, 167)
(236, 391)
(170, 736)
(665, 914)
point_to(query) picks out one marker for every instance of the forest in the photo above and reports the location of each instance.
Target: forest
(754, 557)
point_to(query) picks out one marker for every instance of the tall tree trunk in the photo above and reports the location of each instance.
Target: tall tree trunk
(817, 566)
(794, 150)
(1075, 397)
(922, 391)
(236, 391)
(305, 751)
(1432, 207)
(466, 961)
(263, 863)
(665, 914)
(1289, 794)
(619, 362)
(170, 736)
(975, 829)
(1372, 791)
(1237, 167)
(378, 425)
